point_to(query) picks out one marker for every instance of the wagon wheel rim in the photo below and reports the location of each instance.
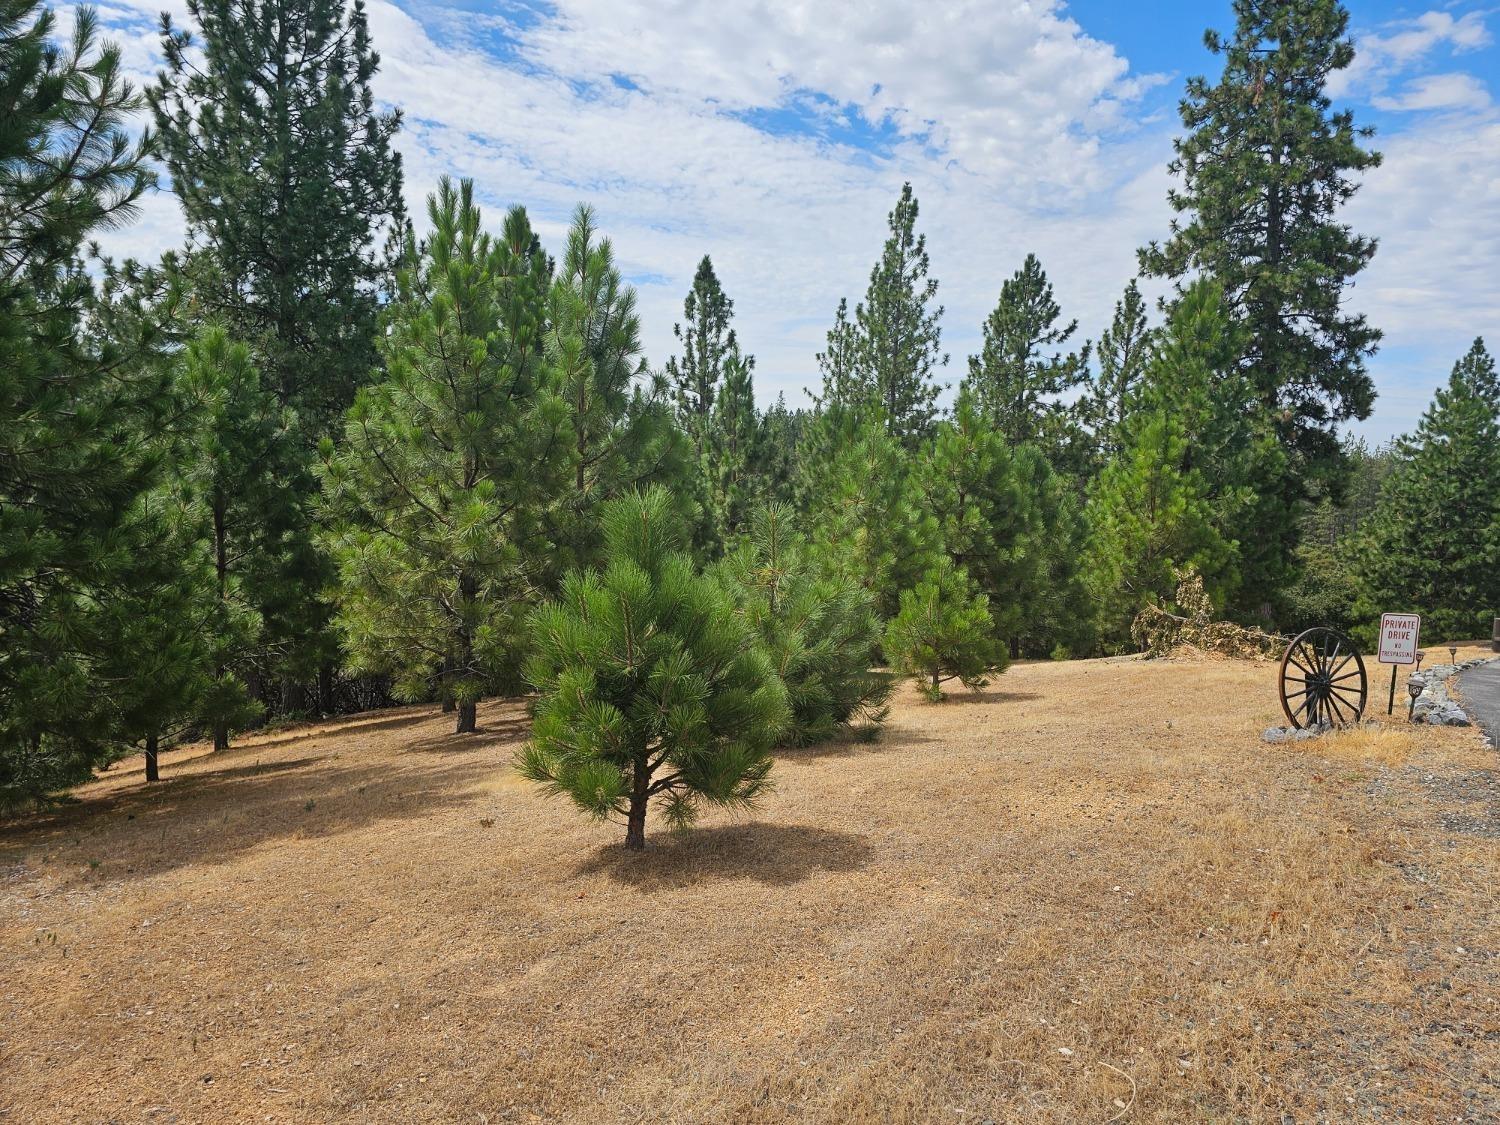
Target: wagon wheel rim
(1322, 679)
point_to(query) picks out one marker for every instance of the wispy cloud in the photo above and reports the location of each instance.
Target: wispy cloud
(775, 136)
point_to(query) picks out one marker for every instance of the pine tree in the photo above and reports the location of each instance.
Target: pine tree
(707, 343)
(898, 336)
(1122, 354)
(944, 632)
(232, 477)
(1006, 518)
(733, 462)
(1432, 545)
(652, 687)
(1019, 373)
(288, 182)
(287, 179)
(449, 463)
(1265, 166)
(783, 445)
(622, 434)
(819, 632)
(1231, 444)
(1183, 483)
(82, 389)
(865, 529)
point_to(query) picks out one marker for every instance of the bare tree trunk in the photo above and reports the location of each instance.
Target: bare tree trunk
(152, 745)
(635, 825)
(468, 718)
(325, 688)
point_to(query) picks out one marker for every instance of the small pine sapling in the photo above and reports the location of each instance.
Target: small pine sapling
(820, 631)
(652, 687)
(944, 632)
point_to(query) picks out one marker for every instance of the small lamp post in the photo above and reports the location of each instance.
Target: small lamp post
(1452, 654)
(1412, 690)
(1421, 655)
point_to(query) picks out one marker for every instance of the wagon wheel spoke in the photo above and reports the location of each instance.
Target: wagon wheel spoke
(1344, 663)
(1354, 675)
(1339, 709)
(1303, 667)
(1354, 700)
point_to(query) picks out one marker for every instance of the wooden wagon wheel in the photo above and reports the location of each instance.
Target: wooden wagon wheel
(1322, 679)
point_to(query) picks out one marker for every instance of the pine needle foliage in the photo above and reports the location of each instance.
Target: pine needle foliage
(82, 389)
(944, 632)
(653, 688)
(1432, 545)
(449, 463)
(618, 415)
(820, 631)
(1265, 165)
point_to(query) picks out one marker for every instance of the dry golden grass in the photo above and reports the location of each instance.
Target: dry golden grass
(1087, 894)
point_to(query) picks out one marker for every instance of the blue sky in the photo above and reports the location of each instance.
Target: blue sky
(775, 135)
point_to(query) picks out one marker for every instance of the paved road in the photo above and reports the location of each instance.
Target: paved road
(1480, 689)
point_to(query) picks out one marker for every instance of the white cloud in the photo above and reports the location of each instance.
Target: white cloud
(1404, 44)
(1016, 129)
(1437, 91)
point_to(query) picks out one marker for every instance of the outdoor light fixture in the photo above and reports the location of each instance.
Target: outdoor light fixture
(1412, 690)
(1452, 654)
(1420, 654)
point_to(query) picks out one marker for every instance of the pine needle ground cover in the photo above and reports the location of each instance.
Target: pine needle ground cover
(1087, 893)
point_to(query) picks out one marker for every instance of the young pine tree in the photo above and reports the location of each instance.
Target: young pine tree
(1122, 351)
(621, 434)
(1183, 484)
(1432, 545)
(81, 393)
(707, 342)
(865, 528)
(944, 632)
(898, 335)
(288, 183)
(449, 464)
(1265, 166)
(230, 474)
(820, 632)
(653, 689)
(1021, 369)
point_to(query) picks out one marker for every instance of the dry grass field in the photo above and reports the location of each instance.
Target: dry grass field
(1087, 894)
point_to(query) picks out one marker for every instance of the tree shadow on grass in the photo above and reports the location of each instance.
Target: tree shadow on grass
(985, 697)
(493, 733)
(773, 854)
(211, 815)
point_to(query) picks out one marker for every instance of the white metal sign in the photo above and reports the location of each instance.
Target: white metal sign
(1399, 633)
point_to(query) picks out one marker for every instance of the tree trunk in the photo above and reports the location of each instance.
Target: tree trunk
(450, 704)
(152, 745)
(221, 736)
(635, 824)
(325, 689)
(468, 718)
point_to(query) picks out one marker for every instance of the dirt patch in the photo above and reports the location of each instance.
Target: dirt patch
(1088, 893)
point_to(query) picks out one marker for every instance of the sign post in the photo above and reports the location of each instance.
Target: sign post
(1399, 633)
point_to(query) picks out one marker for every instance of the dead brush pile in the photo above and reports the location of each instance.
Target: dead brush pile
(1194, 632)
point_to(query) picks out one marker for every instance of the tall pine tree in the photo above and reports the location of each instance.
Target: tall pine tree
(1121, 358)
(898, 338)
(621, 431)
(287, 179)
(82, 391)
(1021, 370)
(449, 464)
(707, 342)
(1432, 545)
(1265, 167)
